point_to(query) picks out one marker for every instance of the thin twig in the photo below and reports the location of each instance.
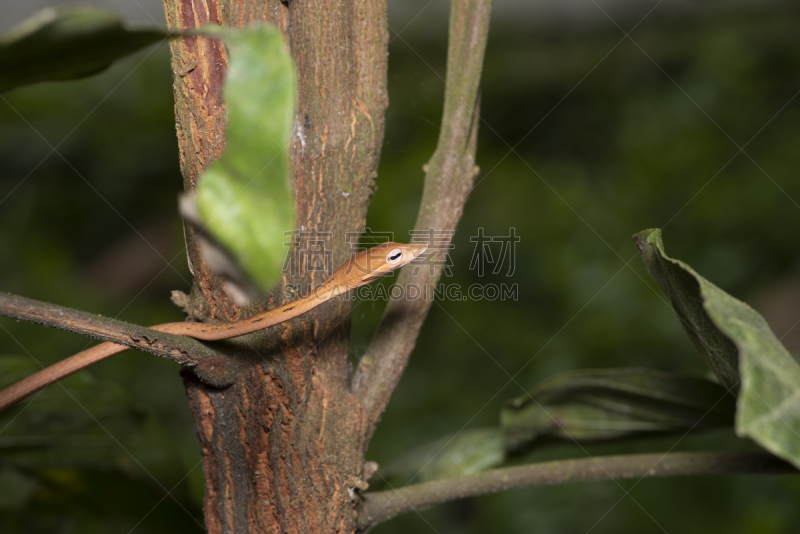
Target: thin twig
(449, 177)
(383, 505)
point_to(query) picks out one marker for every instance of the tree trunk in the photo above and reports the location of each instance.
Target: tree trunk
(283, 447)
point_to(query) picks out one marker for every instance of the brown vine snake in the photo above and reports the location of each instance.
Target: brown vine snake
(359, 270)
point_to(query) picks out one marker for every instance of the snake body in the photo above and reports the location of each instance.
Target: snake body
(359, 270)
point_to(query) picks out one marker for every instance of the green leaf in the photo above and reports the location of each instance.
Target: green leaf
(769, 399)
(466, 453)
(67, 43)
(682, 286)
(244, 197)
(604, 404)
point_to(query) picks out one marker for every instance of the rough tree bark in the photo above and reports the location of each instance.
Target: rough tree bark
(283, 446)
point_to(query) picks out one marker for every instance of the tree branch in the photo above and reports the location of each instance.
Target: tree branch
(183, 350)
(383, 505)
(449, 177)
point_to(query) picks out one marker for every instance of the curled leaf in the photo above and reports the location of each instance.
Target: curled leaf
(682, 286)
(729, 331)
(605, 404)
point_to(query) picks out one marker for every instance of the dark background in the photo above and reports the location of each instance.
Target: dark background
(610, 136)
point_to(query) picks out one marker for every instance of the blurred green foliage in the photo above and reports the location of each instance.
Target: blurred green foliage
(67, 43)
(99, 230)
(617, 147)
(618, 151)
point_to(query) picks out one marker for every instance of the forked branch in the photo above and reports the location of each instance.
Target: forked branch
(383, 505)
(448, 180)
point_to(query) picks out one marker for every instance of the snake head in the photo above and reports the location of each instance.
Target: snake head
(384, 258)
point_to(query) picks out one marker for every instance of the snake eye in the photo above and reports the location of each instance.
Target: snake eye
(394, 256)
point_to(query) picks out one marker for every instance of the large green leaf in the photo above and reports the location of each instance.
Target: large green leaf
(468, 452)
(604, 404)
(244, 197)
(769, 398)
(66, 43)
